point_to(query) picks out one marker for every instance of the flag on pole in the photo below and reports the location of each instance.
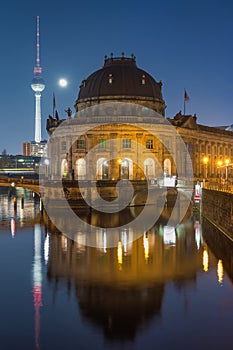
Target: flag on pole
(54, 104)
(186, 96)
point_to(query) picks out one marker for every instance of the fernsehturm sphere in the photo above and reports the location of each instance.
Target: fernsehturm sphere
(38, 86)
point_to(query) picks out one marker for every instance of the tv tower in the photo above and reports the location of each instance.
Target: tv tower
(37, 84)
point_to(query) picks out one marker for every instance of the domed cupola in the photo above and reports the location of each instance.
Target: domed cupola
(121, 80)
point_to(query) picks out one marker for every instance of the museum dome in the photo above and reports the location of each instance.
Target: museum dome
(121, 80)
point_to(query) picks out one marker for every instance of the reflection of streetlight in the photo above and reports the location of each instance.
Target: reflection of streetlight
(205, 260)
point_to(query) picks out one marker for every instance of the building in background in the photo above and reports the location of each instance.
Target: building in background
(26, 148)
(38, 146)
(38, 149)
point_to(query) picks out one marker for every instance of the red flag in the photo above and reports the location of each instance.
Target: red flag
(186, 96)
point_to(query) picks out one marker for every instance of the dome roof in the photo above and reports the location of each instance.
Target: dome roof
(120, 77)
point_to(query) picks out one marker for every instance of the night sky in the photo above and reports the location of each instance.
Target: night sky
(186, 44)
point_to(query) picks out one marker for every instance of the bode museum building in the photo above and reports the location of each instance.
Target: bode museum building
(119, 131)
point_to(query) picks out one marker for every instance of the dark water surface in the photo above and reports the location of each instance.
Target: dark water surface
(169, 289)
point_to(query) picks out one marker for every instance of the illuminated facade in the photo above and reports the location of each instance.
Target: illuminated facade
(37, 149)
(123, 143)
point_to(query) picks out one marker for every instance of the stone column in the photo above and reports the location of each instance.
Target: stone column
(138, 172)
(114, 165)
(90, 166)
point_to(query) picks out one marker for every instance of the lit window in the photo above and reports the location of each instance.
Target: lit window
(149, 144)
(81, 144)
(126, 143)
(143, 79)
(102, 143)
(110, 78)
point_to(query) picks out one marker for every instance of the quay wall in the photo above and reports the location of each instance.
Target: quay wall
(217, 207)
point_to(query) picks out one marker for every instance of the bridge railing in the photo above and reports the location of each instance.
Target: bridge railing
(219, 187)
(17, 180)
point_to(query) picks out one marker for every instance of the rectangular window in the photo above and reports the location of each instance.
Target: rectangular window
(149, 144)
(102, 143)
(126, 143)
(81, 144)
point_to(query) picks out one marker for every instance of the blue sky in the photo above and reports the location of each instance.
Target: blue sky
(185, 44)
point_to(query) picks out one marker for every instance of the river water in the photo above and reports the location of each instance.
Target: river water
(169, 289)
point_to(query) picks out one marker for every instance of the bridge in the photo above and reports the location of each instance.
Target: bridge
(75, 191)
(30, 184)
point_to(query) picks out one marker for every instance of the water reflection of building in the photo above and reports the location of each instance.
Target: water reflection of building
(122, 288)
(23, 213)
(221, 247)
(37, 281)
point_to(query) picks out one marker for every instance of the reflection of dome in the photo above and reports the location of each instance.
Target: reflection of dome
(121, 80)
(120, 311)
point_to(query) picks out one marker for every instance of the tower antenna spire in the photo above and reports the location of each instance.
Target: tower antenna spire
(37, 84)
(37, 68)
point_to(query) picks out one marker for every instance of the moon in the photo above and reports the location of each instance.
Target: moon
(63, 82)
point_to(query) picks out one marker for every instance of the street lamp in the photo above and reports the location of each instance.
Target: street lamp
(219, 166)
(205, 162)
(227, 161)
(219, 163)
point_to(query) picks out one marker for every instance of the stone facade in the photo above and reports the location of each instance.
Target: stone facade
(103, 141)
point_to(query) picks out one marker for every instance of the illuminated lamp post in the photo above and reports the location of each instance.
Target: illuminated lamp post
(46, 162)
(219, 163)
(205, 162)
(227, 161)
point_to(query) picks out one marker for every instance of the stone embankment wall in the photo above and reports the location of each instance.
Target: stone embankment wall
(217, 207)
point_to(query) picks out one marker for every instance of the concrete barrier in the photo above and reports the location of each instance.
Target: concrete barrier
(217, 207)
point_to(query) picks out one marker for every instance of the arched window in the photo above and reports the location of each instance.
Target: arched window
(81, 168)
(126, 169)
(167, 167)
(64, 168)
(102, 169)
(149, 168)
